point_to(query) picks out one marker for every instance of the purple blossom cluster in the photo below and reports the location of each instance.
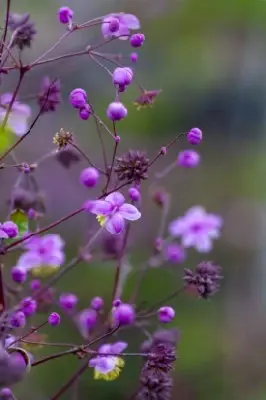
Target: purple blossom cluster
(114, 207)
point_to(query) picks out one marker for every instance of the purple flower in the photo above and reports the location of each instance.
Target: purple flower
(85, 112)
(18, 117)
(86, 320)
(188, 159)
(28, 306)
(137, 40)
(54, 319)
(43, 256)
(78, 98)
(68, 301)
(166, 314)
(89, 177)
(122, 76)
(197, 229)
(107, 365)
(113, 211)
(18, 274)
(124, 314)
(8, 230)
(65, 15)
(116, 111)
(174, 253)
(127, 22)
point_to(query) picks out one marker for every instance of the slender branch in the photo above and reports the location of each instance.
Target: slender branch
(119, 264)
(87, 158)
(3, 39)
(2, 290)
(70, 382)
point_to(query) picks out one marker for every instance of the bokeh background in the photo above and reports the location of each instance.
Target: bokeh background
(209, 57)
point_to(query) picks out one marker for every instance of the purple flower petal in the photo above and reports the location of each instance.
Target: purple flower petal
(116, 198)
(118, 347)
(3, 235)
(130, 20)
(105, 364)
(99, 207)
(130, 212)
(29, 260)
(52, 242)
(105, 349)
(115, 224)
(54, 259)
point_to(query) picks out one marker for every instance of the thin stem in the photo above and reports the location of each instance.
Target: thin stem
(2, 290)
(45, 229)
(70, 382)
(87, 158)
(48, 344)
(118, 268)
(51, 48)
(163, 301)
(14, 95)
(3, 39)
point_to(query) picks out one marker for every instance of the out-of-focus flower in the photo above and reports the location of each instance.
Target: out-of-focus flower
(188, 159)
(54, 319)
(25, 29)
(116, 111)
(197, 229)
(107, 365)
(126, 23)
(86, 320)
(49, 96)
(174, 253)
(147, 98)
(124, 314)
(68, 301)
(44, 255)
(113, 211)
(8, 230)
(205, 279)
(18, 116)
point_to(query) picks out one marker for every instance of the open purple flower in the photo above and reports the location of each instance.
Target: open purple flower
(43, 256)
(197, 229)
(18, 117)
(107, 365)
(112, 212)
(127, 22)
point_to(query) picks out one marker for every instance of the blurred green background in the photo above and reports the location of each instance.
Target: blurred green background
(209, 57)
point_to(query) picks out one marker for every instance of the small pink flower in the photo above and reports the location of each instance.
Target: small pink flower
(42, 252)
(197, 229)
(127, 22)
(113, 211)
(18, 117)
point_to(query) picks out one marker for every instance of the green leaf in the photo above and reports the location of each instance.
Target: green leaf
(20, 218)
(7, 138)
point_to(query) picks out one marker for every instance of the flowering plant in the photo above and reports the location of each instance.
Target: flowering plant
(42, 261)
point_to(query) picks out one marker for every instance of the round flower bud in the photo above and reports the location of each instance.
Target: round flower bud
(31, 213)
(134, 194)
(89, 177)
(137, 40)
(188, 159)
(68, 301)
(18, 274)
(194, 136)
(134, 57)
(28, 306)
(78, 98)
(85, 112)
(65, 15)
(6, 394)
(113, 24)
(117, 303)
(122, 76)
(10, 228)
(174, 253)
(35, 284)
(18, 320)
(97, 303)
(124, 314)
(166, 314)
(54, 319)
(116, 111)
